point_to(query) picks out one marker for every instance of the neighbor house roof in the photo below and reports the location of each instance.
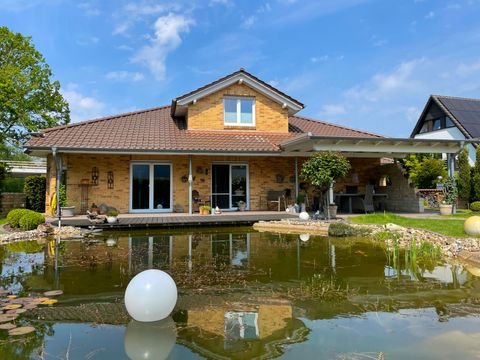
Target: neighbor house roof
(155, 130)
(464, 112)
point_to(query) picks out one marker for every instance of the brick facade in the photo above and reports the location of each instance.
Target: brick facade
(263, 173)
(207, 112)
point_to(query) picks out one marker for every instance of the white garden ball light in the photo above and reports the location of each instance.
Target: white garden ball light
(304, 237)
(304, 215)
(472, 225)
(152, 340)
(150, 296)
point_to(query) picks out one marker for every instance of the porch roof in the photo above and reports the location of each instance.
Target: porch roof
(308, 143)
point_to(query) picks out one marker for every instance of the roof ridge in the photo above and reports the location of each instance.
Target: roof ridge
(104, 118)
(455, 97)
(336, 125)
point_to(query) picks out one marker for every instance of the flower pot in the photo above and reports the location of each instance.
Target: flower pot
(446, 209)
(68, 211)
(332, 210)
(242, 207)
(112, 219)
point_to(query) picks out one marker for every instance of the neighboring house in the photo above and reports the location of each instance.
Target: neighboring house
(232, 140)
(448, 117)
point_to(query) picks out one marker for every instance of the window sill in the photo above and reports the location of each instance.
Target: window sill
(242, 127)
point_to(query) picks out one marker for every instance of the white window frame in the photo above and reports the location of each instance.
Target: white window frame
(239, 110)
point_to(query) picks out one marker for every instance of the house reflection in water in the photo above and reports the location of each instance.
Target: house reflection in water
(160, 251)
(256, 331)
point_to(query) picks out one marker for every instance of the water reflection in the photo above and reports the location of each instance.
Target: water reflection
(238, 290)
(151, 340)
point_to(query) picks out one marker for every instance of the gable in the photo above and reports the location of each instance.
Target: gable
(208, 113)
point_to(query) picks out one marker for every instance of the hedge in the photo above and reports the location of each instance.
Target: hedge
(34, 190)
(475, 206)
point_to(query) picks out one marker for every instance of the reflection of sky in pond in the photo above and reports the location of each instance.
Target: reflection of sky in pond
(18, 263)
(446, 273)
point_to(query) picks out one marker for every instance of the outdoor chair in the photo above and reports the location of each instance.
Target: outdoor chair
(367, 201)
(276, 197)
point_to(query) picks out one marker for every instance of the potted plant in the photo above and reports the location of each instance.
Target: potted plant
(112, 216)
(323, 169)
(450, 192)
(67, 211)
(332, 210)
(94, 208)
(204, 209)
(242, 205)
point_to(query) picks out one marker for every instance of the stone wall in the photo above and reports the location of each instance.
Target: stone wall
(10, 201)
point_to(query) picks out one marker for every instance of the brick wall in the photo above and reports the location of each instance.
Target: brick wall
(262, 173)
(207, 113)
(10, 201)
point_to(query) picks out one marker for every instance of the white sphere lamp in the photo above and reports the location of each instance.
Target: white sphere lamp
(151, 296)
(304, 215)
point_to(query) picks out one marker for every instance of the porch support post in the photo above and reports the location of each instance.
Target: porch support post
(190, 181)
(58, 174)
(296, 180)
(450, 164)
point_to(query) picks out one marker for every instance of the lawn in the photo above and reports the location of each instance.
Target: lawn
(448, 226)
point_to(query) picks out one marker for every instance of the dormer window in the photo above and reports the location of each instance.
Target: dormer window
(239, 111)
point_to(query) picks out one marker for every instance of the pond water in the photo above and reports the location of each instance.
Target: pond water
(242, 295)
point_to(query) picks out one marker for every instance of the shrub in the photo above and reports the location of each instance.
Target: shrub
(31, 220)
(13, 185)
(14, 216)
(475, 206)
(34, 190)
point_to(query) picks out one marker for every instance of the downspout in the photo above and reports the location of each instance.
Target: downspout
(190, 181)
(58, 175)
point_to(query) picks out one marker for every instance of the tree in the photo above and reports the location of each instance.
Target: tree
(428, 172)
(29, 99)
(476, 176)
(464, 182)
(324, 168)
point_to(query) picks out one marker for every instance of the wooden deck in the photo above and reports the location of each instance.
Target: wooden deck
(178, 220)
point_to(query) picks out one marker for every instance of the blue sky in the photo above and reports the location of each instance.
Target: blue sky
(361, 63)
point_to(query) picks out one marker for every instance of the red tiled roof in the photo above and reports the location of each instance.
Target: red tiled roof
(155, 130)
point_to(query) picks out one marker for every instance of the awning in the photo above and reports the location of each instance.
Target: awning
(306, 144)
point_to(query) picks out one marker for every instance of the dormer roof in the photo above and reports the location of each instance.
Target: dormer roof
(179, 105)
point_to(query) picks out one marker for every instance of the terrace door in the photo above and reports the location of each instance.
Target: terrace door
(229, 185)
(151, 189)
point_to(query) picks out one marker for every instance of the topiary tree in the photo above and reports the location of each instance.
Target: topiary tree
(464, 182)
(322, 169)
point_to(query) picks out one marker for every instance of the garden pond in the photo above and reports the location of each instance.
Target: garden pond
(242, 295)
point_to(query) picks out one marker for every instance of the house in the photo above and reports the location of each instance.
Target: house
(448, 117)
(232, 140)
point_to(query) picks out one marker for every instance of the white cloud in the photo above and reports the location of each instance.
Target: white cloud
(19, 5)
(84, 41)
(329, 110)
(89, 9)
(220, 2)
(430, 15)
(124, 76)
(82, 107)
(468, 69)
(249, 21)
(131, 13)
(412, 113)
(166, 39)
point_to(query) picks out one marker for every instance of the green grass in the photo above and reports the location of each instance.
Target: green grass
(447, 226)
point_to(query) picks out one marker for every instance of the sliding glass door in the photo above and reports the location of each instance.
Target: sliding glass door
(229, 185)
(151, 187)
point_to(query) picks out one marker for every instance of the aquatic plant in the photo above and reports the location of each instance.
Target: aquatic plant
(319, 287)
(342, 229)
